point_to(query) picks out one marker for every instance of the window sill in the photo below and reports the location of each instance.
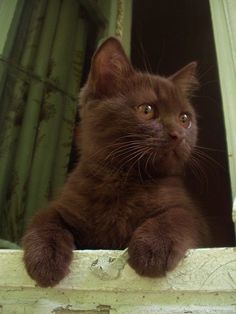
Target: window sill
(205, 279)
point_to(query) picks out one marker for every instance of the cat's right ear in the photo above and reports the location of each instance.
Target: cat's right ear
(110, 68)
(186, 78)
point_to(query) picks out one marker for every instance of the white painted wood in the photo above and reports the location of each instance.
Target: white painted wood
(102, 282)
(224, 25)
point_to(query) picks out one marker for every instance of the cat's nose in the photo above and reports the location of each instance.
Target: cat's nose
(175, 136)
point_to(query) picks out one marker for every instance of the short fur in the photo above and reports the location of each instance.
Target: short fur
(127, 189)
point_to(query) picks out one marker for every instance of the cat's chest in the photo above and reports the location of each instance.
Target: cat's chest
(115, 220)
(114, 223)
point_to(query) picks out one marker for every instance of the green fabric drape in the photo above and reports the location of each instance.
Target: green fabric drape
(42, 52)
(40, 112)
(11, 129)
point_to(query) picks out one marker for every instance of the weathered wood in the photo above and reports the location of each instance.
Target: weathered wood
(204, 282)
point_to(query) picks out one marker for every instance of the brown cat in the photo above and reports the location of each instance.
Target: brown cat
(137, 133)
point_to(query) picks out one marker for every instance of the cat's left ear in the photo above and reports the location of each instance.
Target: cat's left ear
(110, 68)
(186, 78)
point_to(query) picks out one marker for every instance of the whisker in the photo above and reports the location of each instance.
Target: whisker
(114, 144)
(210, 149)
(125, 151)
(132, 165)
(195, 172)
(208, 159)
(202, 74)
(208, 82)
(202, 174)
(139, 171)
(153, 159)
(133, 156)
(122, 149)
(126, 157)
(147, 162)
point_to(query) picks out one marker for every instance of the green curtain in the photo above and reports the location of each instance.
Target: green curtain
(38, 109)
(43, 46)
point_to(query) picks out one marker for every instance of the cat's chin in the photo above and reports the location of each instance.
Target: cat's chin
(172, 163)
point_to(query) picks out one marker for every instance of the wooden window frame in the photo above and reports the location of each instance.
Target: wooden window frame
(224, 26)
(102, 282)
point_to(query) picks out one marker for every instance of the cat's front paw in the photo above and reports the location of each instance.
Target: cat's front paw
(47, 267)
(47, 255)
(153, 257)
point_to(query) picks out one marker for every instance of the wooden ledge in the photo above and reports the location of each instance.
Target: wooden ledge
(206, 277)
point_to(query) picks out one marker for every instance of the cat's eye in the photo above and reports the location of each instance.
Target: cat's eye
(146, 111)
(185, 120)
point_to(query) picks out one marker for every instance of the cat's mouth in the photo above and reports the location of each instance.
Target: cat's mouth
(178, 151)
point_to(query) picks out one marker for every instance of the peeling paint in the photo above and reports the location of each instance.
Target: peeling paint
(204, 282)
(108, 268)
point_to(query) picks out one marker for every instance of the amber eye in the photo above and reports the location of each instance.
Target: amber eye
(146, 111)
(185, 120)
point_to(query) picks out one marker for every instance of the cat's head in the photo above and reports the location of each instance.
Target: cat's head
(136, 121)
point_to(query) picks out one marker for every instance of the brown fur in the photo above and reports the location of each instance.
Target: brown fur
(127, 190)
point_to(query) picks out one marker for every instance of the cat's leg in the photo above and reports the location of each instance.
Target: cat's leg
(160, 242)
(48, 249)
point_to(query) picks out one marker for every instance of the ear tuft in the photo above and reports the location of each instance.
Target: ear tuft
(109, 68)
(186, 78)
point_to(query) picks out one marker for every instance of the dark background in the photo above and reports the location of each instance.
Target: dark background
(166, 35)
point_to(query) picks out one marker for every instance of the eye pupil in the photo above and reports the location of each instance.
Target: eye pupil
(185, 120)
(147, 109)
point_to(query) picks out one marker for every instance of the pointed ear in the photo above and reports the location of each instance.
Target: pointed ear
(110, 68)
(186, 78)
